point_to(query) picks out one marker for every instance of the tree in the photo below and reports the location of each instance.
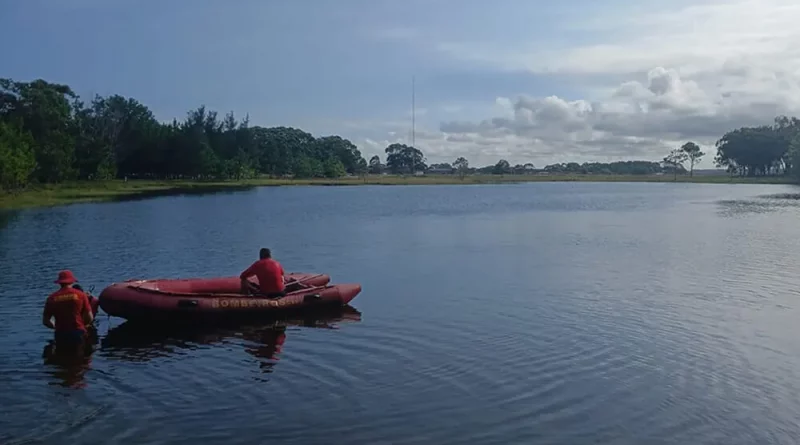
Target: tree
(307, 167)
(44, 111)
(753, 151)
(280, 148)
(333, 168)
(361, 167)
(17, 161)
(675, 160)
(693, 154)
(793, 156)
(462, 166)
(344, 150)
(115, 135)
(442, 166)
(401, 158)
(615, 168)
(375, 166)
(788, 129)
(502, 167)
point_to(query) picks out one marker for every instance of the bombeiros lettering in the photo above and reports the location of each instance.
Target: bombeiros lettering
(65, 297)
(245, 303)
(232, 303)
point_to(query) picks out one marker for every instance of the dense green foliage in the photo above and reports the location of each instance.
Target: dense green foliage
(760, 151)
(17, 161)
(616, 168)
(48, 135)
(401, 158)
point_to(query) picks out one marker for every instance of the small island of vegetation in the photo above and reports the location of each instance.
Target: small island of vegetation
(55, 148)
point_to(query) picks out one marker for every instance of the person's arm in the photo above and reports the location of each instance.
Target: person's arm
(249, 272)
(243, 277)
(47, 314)
(86, 311)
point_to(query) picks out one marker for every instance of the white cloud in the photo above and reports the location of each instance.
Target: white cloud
(698, 38)
(637, 120)
(692, 73)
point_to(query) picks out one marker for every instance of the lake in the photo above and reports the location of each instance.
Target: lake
(569, 313)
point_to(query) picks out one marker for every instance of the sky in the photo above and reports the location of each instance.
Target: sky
(522, 80)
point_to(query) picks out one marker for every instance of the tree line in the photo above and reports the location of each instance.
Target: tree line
(49, 135)
(764, 150)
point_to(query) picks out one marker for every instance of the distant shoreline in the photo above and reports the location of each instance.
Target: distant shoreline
(95, 191)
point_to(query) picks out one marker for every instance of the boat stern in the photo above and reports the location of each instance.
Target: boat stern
(348, 291)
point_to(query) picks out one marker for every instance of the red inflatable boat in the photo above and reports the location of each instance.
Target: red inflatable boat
(94, 303)
(219, 296)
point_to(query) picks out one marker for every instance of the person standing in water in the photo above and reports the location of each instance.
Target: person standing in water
(70, 308)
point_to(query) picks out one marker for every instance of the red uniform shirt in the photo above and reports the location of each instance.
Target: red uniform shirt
(67, 306)
(269, 273)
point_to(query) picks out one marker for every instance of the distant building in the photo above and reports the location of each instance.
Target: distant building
(441, 171)
(711, 172)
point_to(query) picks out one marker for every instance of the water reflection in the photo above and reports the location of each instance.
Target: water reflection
(134, 342)
(185, 191)
(68, 363)
(764, 204)
(6, 218)
(786, 196)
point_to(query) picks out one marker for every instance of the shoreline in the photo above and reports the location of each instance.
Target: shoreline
(115, 190)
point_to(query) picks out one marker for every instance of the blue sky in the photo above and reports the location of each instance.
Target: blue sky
(345, 67)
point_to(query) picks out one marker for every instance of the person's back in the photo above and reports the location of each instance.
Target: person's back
(269, 273)
(70, 308)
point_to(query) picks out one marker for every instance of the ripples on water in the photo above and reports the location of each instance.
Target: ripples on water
(532, 313)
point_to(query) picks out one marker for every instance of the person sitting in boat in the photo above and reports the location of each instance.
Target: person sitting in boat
(71, 310)
(271, 282)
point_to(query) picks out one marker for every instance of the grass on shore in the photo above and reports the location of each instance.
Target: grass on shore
(76, 192)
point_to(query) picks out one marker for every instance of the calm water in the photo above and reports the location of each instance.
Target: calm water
(532, 313)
